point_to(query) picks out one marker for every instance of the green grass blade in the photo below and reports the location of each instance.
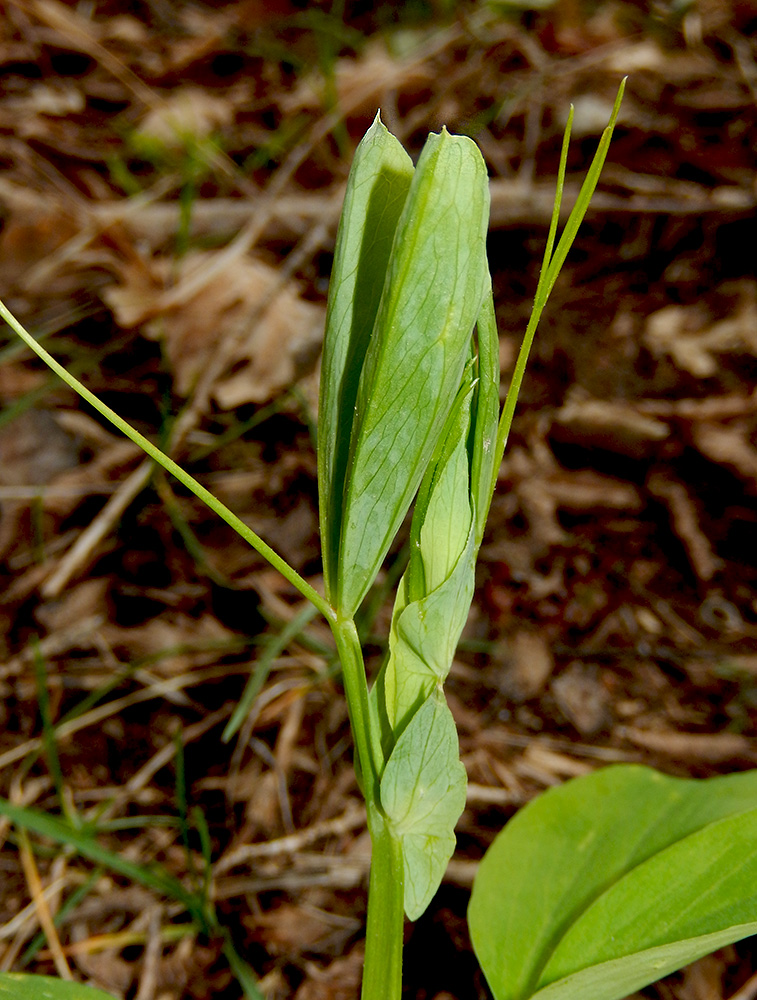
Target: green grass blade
(242, 971)
(48, 730)
(582, 201)
(152, 878)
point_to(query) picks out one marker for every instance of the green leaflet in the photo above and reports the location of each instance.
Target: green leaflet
(611, 881)
(423, 785)
(423, 640)
(435, 592)
(433, 292)
(423, 794)
(17, 986)
(376, 191)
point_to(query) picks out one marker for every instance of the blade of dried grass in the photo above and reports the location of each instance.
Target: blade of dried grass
(41, 906)
(67, 907)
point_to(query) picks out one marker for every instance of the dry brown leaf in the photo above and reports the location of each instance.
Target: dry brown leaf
(703, 980)
(278, 332)
(338, 981)
(31, 236)
(582, 698)
(367, 79)
(528, 664)
(559, 764)
(88, 598)
(587, 490)
(185, 635)
(188, 113)
(97, 476)
(34, 450)
(53, 98)
(740, 663)
(290, 929)
(725, 407)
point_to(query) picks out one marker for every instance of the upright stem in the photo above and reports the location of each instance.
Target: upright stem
(382, 970)
(365, 729)
(382, 973)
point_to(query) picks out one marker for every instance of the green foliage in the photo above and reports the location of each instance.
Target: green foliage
(17, 986)
(423, 794)
(400, 352)
(434, 594)
(376, 191)
(611, 881)
(401, 408)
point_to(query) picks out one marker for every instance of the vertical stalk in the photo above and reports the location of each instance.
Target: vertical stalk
(382, 970)
(382, 973)
(365, 729)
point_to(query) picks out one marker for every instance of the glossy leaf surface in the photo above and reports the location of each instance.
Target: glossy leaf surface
(611, 881)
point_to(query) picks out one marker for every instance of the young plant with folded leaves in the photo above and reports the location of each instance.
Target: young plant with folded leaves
(409, 413)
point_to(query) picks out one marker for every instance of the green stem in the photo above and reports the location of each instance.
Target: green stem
(382, 971)
(169, 465)
(365, 729)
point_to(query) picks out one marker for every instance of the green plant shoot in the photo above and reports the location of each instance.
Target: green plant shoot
(408, 283)
(409, 411)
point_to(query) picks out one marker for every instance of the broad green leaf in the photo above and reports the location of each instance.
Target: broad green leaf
(624, 976)
(20, 986)
(376, 191)
(611, 881)
(423, 795)
(433, 293)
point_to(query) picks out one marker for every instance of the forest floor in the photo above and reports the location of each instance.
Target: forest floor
(171, 180)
